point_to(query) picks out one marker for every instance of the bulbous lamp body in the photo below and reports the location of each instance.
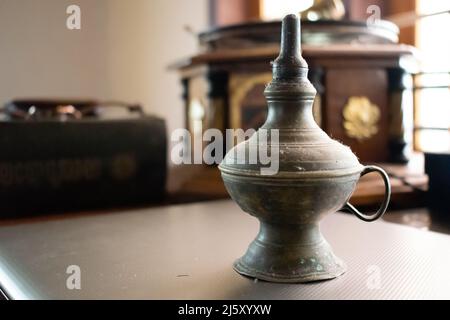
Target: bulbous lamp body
(316, 176)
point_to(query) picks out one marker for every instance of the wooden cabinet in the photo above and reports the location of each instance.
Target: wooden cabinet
(349, 90)
(359, 100)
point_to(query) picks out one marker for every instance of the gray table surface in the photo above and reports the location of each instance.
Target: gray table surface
(186, 252)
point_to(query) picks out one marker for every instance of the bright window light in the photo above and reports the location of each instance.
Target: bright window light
(433, 103)
(432, 37)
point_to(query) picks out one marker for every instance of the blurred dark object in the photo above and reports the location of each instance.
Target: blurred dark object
(93, 159)
(321, 32)
(48, 109)
(437, 166)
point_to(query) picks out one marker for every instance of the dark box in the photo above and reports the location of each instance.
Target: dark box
(66, 165)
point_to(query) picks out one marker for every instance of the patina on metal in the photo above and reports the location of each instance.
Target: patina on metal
(316, 177)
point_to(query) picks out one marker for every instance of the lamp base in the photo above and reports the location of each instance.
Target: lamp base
(290, 254)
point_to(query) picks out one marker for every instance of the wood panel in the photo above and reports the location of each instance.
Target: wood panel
(407, 34)
(225, 12)
(342, 84)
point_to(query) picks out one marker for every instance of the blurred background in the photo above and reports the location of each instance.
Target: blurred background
(107, 94)
(121, 52)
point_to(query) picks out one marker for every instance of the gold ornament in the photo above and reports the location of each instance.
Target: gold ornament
(361, 118)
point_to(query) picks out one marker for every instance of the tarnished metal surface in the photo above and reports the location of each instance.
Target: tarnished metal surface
(316, 176)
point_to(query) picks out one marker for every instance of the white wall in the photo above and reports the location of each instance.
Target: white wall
(121, 52)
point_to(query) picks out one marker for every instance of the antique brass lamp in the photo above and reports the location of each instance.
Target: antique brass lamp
(316, 176)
